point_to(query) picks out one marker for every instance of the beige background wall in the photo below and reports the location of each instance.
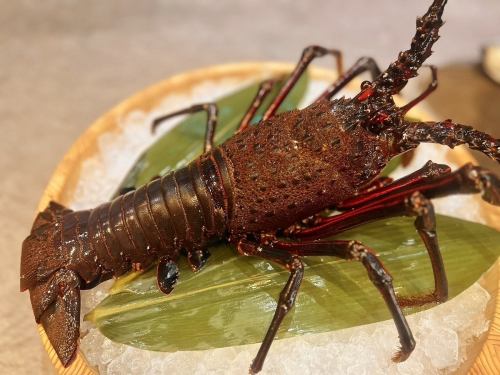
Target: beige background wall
(63, 63)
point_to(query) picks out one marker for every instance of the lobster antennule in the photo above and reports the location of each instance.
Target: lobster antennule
(408, 62)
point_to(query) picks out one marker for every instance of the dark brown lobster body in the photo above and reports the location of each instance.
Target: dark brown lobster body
(262, 183)
(298, 163)
(231, 190)
(185, 209)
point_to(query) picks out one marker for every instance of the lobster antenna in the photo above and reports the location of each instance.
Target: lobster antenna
(406, 66)
(450, 134)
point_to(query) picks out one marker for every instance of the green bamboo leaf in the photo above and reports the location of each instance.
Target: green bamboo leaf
(231, 301)
(391, 166)
(184, 142)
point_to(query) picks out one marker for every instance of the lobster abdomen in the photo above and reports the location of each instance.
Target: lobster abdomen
(186, 209)
(67, 250)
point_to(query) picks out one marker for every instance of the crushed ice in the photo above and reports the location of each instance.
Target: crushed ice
(443, 335)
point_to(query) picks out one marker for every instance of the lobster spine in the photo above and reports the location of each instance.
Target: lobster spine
(186, 209)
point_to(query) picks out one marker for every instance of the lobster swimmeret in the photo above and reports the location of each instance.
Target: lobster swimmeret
(263, 183)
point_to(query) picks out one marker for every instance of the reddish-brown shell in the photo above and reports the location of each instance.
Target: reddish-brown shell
(296, 164)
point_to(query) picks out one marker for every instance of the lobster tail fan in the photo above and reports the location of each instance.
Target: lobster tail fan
(61, 322)
(49, 215)
(40, 255)
(36, 253)
(56, 305)
(54, 290)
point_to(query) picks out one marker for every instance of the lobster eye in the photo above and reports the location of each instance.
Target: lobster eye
(378, 122)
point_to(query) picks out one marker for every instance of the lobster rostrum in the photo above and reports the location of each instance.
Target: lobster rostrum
(264, 190)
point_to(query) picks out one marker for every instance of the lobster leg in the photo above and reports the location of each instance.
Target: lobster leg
(413, 204)
(210, 108)
(354, 250)
(413, 200)
(308, 55)
(376, 184)
(432, 86)
(167, 274)
(197, 258)
(287, 295)
(362, 65)
(374, 191)
(368, 195)
(264, 89)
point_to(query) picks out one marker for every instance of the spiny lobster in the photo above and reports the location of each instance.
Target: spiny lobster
(256, 190)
